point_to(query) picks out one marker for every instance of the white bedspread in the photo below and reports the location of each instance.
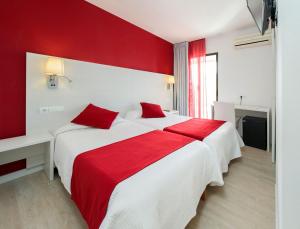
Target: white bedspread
(163, 195)
(225, 141)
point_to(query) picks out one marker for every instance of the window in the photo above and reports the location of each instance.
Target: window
(209, 84)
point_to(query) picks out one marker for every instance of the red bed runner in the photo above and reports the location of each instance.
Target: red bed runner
(195, 128)
(97, 172)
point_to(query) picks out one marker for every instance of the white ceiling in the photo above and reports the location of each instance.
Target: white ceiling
(181, 20)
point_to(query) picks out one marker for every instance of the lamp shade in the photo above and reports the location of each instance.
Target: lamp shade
(171, 80)
(54, 66)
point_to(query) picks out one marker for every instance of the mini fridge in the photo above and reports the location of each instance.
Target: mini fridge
(255, 132)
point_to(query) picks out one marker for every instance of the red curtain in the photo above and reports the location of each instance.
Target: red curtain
(196, 53)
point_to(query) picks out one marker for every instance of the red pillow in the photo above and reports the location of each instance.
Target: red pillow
(95, 117)
(151, 110)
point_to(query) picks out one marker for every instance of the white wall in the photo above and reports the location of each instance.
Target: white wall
(248, 72)
(288, 114)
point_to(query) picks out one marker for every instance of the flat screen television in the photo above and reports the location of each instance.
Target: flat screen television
(261, 11)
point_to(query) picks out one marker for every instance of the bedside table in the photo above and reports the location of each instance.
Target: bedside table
(175, 112)
(36, 149)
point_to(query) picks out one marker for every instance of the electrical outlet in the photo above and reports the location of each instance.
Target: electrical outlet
(44, 110)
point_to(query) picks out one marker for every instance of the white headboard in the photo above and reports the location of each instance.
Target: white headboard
(115, 88)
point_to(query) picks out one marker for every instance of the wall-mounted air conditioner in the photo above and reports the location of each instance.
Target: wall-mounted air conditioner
(253, 40)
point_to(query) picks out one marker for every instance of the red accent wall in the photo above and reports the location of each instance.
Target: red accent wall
(71, 29)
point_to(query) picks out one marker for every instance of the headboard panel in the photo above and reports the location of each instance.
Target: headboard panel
(115, 88)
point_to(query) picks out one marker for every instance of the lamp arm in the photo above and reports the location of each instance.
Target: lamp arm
(67, 78)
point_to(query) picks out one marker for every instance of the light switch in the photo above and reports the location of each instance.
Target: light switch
(44, 110)
(51, 109)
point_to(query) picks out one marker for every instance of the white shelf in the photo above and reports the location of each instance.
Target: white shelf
(24, 141)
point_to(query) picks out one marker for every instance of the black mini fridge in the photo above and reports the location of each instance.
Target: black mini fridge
(255, 132)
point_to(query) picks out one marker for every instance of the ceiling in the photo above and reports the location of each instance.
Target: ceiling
(181, 20)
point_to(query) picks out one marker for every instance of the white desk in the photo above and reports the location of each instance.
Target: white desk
(265, 110)
(252, 108)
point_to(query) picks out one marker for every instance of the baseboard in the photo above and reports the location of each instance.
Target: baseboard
(20, 173)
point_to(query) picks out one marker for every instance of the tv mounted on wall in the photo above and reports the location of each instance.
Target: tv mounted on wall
(263, 12)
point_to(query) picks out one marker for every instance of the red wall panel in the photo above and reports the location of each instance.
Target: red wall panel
(12, 167)
(71, 29)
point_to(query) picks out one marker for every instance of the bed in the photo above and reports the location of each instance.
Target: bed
(224, 141)
(154, 197)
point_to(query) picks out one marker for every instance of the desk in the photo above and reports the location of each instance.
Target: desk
(13, 149)
(265, 110)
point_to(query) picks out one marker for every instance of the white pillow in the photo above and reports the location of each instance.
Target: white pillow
(133, 114)
(72, 126)
(68, 127)
(117, 120)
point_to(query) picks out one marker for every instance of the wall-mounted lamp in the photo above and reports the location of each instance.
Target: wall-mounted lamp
(170, 81)
(55, 68)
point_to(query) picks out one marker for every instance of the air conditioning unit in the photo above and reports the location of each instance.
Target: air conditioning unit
(253, 40)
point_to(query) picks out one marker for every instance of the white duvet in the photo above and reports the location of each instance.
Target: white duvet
(225, 141)
(163, 195)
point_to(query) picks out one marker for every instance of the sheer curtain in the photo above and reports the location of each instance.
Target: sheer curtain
(181, 77)
(197, 98)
